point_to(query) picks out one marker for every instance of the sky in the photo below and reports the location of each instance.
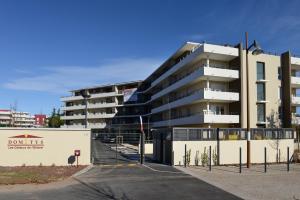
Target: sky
(48, 47)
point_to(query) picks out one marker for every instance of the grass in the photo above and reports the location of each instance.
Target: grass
(38, 175)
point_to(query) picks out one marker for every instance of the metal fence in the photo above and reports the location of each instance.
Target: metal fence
(203, 134)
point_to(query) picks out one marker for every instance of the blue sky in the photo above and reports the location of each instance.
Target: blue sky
(50, 47)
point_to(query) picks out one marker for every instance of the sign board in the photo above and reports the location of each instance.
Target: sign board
(77, 152)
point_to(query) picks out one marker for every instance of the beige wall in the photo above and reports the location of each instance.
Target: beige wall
(257, 150)
(272, 63)
(229, 150)
(58, 146)
(194, 146)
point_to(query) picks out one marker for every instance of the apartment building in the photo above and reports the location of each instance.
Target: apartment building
(22, 119)
(202, 85)
(205, 85)
(5, 118)
(16, 119)
(110, 108)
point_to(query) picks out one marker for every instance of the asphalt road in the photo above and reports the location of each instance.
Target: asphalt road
(119, 176)
(103, 154)
(129, 181)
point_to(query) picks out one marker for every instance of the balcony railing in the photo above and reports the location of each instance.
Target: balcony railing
(196, 95)
(199, 118)
(199, 72)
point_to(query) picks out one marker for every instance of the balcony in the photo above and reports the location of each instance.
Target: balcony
(74, 107)
(201, 73)
(216, 52)
(101, 115)
(201, 118)
(96, 125)
(102, 105)
(72, 117)
(93, 96)
(5, 117)
(198, 96)
(295, 118)
(295, 61)
(295, 101)
(295, 82)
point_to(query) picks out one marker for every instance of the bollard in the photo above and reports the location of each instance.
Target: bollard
(240, 159)
(288, 159)
(116, 150)
(265, 160)
(218, 146)
(185, 155)
(209, 158)
(173, 163)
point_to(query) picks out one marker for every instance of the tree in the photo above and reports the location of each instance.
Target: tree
(274, 122)
(54, 120)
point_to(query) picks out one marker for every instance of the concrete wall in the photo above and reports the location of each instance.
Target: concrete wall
(33, 147)
(229, 150)
(257, 150)
(148, 148)
(194, 146)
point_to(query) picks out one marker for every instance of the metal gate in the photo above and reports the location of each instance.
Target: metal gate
(112, 149)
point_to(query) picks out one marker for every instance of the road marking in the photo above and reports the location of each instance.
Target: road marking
(118, 165)
(155, 170)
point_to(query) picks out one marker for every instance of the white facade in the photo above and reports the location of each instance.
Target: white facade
(22, 119)
(16, 119)
(104, 103)
(197, 89)
(5, 117)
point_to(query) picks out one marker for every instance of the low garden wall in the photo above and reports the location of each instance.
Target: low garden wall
(42, 146)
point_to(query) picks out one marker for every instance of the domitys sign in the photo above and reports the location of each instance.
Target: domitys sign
(25, 142)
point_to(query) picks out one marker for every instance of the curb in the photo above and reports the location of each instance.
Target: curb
(83, 170)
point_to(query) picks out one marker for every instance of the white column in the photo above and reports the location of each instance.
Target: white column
(207, 84)
(207, 106)
(207, 61)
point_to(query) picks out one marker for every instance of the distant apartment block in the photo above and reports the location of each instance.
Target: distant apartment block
(109, 108)
(10, 118)
(5, 117)
(200, 85)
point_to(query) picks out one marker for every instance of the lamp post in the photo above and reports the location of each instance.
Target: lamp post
(85, 95)
(256, 50)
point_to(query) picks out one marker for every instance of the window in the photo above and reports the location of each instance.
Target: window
(260, 91)
(279, 73)
(260, 71)
(261, 116)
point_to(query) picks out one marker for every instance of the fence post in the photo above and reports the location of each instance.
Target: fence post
(218, 146)
(240, 159)
(265, 159)
(185, 155)
(116, 150)
(209, 158)
(288, 159)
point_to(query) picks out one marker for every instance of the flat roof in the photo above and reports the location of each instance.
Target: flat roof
(107, 85)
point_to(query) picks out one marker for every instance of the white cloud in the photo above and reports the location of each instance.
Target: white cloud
(61, 79)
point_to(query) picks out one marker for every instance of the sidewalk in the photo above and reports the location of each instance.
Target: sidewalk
(252, 183)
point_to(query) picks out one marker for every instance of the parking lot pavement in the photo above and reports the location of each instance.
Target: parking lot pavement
(132, 181)
(252, 183)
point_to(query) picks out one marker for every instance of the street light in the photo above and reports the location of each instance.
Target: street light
(85, 95)
(256, 50)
